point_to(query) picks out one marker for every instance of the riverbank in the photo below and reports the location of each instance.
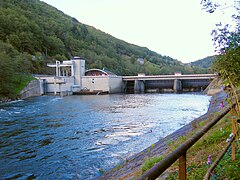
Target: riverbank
(4, 100)
(132, 166)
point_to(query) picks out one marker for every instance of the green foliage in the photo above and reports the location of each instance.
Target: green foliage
(150, 162)
(228, 63)
(212, 143)
(39, 34)
(35, 27)
(227, 40)
(228, 168)
(228, 66)
(205, 63)
(14, 67)
(216, 136)
(21, 81)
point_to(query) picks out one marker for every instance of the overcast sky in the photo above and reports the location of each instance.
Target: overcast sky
(179, 29)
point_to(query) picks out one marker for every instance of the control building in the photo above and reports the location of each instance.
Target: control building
(72, 78)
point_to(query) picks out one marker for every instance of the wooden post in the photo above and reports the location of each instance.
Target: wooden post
(182, 167)
(234, 132)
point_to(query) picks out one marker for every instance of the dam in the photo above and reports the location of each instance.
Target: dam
(72, 78)
(167, 83)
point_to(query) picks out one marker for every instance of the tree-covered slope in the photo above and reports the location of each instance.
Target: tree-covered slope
(205, 62)
(41, 30)
(38, 33)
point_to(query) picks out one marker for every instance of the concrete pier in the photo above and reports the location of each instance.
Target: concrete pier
(139, 87)
(177, 85)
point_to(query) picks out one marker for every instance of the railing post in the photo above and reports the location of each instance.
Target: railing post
(182, 166)
(234, 131)
(233, 143)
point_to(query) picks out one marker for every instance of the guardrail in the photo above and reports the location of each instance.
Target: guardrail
(208, 174)
(181, 151)
(169, 77)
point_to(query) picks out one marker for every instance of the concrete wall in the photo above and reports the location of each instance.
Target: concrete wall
(58, 84)
(116, 84)
(96, 83)
(91, 83)
(102, 83)
(34, 88)
(79, 71)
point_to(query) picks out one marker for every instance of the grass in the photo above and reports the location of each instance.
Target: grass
(12, 89)
(150, 162)
(21, 81)
(212, 143)
(228, 168)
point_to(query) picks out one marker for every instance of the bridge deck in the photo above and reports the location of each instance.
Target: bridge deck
(170, 77)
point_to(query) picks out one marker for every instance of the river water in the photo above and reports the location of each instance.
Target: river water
(77, 137)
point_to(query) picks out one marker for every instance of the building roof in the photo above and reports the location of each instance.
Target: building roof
(99, 72)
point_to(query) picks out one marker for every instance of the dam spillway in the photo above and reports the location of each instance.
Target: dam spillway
(172, 83)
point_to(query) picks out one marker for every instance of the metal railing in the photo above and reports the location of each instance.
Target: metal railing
(215, 163)
(181, 151)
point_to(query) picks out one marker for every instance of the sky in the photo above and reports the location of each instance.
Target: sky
(179, 29)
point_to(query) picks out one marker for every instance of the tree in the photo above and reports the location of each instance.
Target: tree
(227, 42)
(6, 76)
(7, 69)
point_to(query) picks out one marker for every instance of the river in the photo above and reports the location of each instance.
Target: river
(77, 137)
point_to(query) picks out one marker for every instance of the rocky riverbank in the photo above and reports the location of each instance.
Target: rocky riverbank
(5, 100)
(132, 165)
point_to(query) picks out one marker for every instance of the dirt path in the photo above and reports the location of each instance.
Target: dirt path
(133, 164)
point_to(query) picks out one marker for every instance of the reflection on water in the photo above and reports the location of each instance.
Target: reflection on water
(76, 136)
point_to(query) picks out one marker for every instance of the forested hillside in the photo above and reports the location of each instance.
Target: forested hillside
(33, 33)
(205, 62)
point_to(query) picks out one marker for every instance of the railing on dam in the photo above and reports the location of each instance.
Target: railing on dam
(181, 151)
(169, 77)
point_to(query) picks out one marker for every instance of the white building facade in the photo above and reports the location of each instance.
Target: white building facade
(72, 78)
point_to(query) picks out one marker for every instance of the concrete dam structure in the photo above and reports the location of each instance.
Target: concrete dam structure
(72, 78)
(167, 83)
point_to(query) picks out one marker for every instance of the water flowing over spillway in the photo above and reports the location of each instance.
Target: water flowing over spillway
(79, 136)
